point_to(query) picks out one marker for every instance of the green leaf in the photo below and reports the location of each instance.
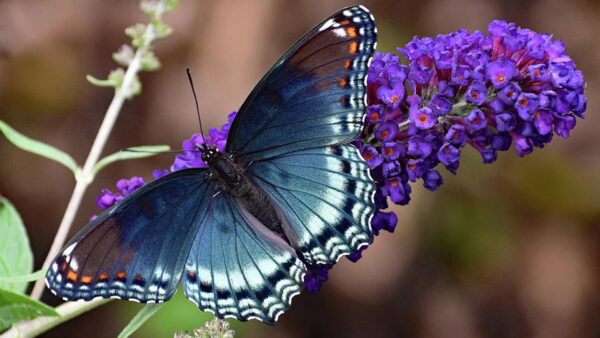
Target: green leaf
(30, 277)
(98, 82)
(136, 33)
(170, 5)
(161, 29)
(150, 62)
(134, 152)
(145, 313)
(15, 254)
(15, 307)
(38, 147)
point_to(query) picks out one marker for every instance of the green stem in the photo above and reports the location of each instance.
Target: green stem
(86, 175)
(36, 326)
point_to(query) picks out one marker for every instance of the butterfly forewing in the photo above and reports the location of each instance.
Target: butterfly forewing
(313, 96)
(137, 249)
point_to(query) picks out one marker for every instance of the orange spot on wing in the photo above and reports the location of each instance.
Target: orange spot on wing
(351, 31)
(85, 279)
(344, 22)
(63, 267)
(344, 101)
(138, 278)
(121, 274)
(347, 64)
(343, 81)
(103, 277)
(334, 150)
(192, 274)
(71, 275)
(353, 47)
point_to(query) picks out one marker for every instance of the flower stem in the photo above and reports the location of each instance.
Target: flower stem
(36, 326)
(86, 176)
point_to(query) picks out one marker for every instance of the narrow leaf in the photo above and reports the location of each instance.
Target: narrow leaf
(37, 147)
(136, 152)
(15, 308)
(100, 83)
(140, 318)
(15, 253)
(30, 277)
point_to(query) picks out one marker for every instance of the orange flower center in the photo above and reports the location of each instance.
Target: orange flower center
(394, 182)
(523, 102)
(474, 94)
(422, 118)
(374, 116)
(500, 78)
(394, 98)
(389, 151)
(368, 155)
(384, 134)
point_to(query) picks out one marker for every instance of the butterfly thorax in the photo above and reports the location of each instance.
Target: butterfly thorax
(233, 179)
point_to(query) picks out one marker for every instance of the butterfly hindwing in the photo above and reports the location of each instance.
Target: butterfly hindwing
(137, 249)
(326, 195)
(238, 268)
(313, 96)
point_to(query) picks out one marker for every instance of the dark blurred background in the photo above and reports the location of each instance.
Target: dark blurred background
(504, 250)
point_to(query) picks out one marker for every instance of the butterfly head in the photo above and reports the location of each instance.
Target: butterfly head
(208, 152)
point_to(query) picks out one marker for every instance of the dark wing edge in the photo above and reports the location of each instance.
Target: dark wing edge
(135, 250)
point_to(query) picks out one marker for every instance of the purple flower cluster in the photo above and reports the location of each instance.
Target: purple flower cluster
(511, 86)
(191, 157)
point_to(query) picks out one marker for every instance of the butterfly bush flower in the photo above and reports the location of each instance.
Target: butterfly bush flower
(511, 86)
(488, 91)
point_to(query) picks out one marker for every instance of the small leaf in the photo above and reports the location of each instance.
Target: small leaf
(98, 82)
(124, 55)
(149, 62)
(136, 152)
(38, 147)
(145, 313)
(15, 307)
(148, 7)
(16, 257)
(161, 29)
(30, 277)
(116, 77)
(169, 5)
(136, 33)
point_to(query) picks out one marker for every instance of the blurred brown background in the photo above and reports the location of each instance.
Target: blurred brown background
(504, 250)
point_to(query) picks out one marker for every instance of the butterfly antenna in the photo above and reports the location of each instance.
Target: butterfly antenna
(196, 100)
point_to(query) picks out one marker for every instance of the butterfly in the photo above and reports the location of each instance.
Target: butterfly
(288, 186)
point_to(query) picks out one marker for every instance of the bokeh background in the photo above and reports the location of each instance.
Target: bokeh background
(504, 250)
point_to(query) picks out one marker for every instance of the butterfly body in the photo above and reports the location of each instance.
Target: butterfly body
(288, 169)
(232, 178)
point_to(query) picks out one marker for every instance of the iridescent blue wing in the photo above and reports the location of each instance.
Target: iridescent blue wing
(238, 268)
(313, 96)
(326, 195)
(137, 249)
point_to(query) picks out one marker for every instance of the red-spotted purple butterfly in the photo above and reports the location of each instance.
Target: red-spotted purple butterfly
(287, 185)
